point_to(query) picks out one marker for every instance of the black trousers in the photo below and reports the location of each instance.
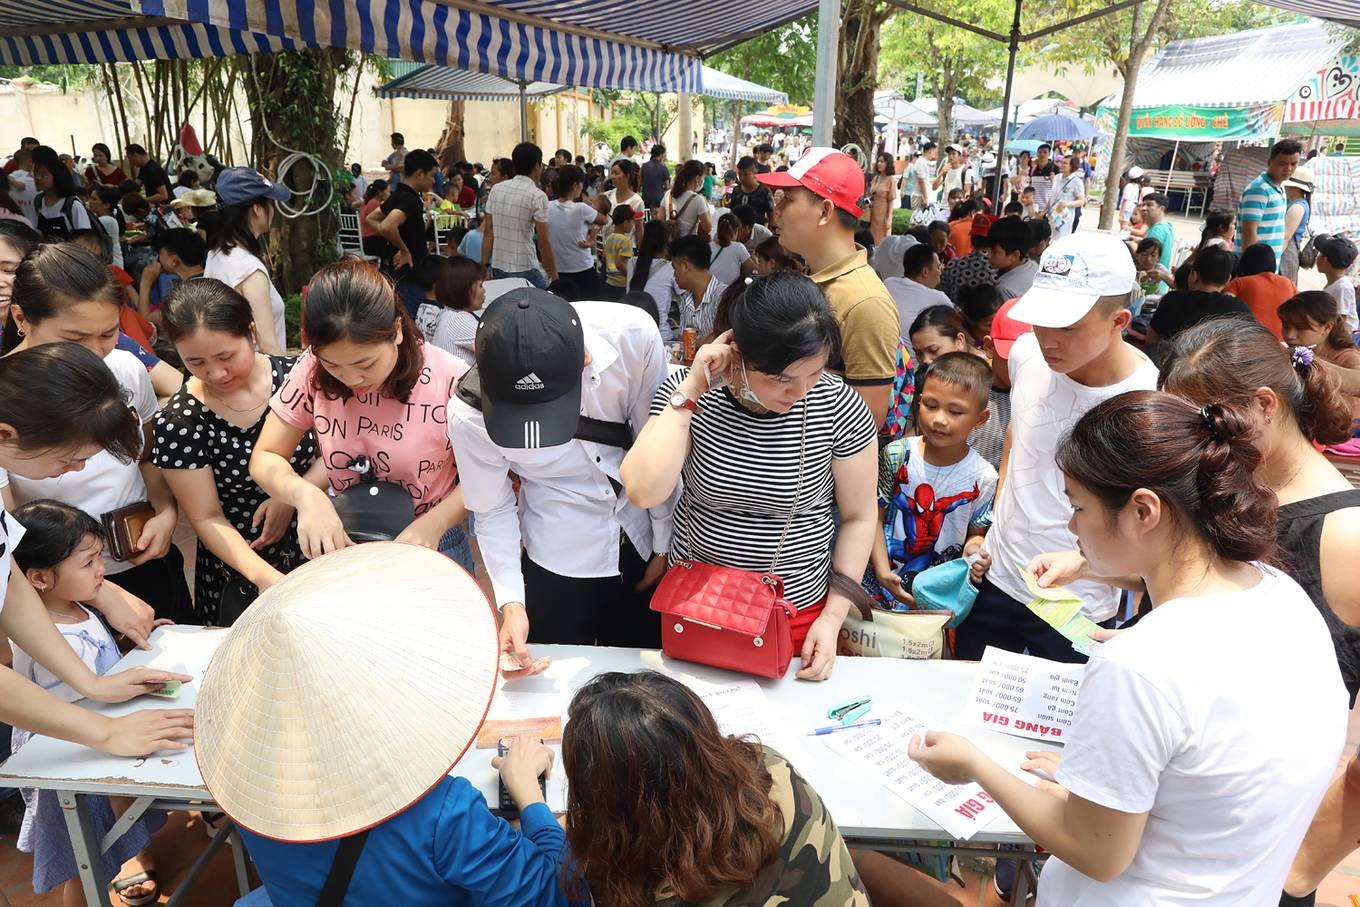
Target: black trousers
(161, 584)
(598, 611)
(577, 285)
(1001, 621)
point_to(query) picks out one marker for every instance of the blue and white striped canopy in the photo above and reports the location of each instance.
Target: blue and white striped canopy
(432, 82)
(644, 45)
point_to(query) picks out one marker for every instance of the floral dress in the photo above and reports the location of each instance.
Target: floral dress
(189, 435)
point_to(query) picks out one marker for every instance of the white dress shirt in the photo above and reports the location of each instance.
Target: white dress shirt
(568, 516)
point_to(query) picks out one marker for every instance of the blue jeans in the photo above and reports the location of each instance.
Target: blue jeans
(454, 545)
(534, 276)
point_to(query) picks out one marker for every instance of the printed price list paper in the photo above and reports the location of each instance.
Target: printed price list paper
(960, 809)
(1025, 696)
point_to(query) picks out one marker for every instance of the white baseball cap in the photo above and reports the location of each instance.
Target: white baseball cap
(1135, 173)
(1074, 272)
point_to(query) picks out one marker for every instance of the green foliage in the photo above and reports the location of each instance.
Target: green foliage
(68, 76)
(292, 321)
(784, 59)
(901, 221)
(634, 114)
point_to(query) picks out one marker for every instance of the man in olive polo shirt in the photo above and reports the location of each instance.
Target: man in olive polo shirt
(818, 217)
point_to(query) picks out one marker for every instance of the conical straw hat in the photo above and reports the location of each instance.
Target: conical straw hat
(346, 692)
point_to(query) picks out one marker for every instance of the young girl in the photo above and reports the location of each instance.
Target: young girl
(235, 253)
(205, 434)
(938, 330)
(650, 272)
(1311, 320)
(64, 292)
(731, 260)
(374, 392)
(1171, 787)
(60, 555)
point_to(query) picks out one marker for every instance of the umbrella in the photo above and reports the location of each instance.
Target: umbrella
(1058, 127)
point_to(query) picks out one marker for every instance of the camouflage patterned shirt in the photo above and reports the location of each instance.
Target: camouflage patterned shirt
(813, 868)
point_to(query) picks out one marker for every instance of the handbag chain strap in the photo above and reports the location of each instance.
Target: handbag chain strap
(797, 496)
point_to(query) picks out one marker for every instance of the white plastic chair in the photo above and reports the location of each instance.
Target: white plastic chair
(351, 242)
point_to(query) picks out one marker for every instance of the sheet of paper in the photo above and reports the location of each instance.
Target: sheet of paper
(1061, 610)
(960, 809)
(1024, 695)
(740, 708)
(510, 704)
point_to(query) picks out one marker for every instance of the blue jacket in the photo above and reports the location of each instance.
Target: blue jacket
(447, 850)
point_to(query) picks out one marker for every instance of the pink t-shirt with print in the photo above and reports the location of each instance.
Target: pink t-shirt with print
(407, 443)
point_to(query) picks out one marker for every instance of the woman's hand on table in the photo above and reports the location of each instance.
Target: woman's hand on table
(125, 685)
(520, 768)
(423, 532)
(949, 757)
(271, 520)
(148, 731)
(819, 649)
(1044, 764)
(319, 528)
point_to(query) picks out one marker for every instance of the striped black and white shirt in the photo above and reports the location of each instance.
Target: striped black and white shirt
(739, 482)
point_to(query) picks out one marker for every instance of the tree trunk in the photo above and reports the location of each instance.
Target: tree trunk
(449, 148)
(292, 100)
(945, 88)
(857, 73)
(1140, 41)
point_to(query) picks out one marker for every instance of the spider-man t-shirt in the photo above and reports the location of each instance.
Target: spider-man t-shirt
(928, 509)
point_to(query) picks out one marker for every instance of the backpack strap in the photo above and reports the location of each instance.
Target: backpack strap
(598, 431)
(342, 870)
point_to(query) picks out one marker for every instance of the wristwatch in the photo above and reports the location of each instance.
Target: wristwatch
(680, 401)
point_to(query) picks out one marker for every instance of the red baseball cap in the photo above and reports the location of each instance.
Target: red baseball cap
(982, 224)
(826, 173)
(1005, 329)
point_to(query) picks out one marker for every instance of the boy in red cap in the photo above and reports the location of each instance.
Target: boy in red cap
(818, 217)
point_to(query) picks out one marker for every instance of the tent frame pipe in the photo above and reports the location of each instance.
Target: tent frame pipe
(998, 197)
(828, 51)
(523, 111)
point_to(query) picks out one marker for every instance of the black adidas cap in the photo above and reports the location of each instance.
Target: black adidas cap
(530, 355)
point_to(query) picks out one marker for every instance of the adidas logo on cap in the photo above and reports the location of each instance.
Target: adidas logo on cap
(529, 382)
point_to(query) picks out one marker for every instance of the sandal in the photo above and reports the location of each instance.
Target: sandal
(138, 900)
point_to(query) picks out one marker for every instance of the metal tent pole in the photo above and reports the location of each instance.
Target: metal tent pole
(524, 111)
(998, 199)
(824, 93)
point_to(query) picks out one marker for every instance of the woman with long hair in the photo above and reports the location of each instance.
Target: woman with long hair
(731, 260)
(882, 188)
(650, 271)
(1293, 404)
(624, 178)
(236, 253)
(205, 434)
(450, 321)
(741, 825)
(374, 393)
(769, 391)
(1298, 193)
(1020, 179)
(63, 292)
(102, 170)
(60, 210)
(687, 208)
(374, 196)
(1160, 794)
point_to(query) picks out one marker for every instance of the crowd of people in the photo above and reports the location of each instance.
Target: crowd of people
(756, 376)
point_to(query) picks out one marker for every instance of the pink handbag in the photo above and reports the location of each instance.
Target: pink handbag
(727, 617)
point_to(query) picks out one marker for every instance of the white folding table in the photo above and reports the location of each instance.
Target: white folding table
(866, 812)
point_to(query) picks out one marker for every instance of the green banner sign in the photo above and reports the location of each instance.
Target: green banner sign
(1188, 123)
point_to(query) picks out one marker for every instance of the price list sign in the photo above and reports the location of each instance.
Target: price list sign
(1025, 696)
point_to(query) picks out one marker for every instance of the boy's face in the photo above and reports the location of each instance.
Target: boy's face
(1069, 349)
(1001, 373)
(1002, 260)
(947, 413)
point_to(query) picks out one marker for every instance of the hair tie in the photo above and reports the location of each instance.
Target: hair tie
(1206, 413)
(1302, 357)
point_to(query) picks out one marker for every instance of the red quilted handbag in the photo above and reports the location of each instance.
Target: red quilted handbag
(727, 617)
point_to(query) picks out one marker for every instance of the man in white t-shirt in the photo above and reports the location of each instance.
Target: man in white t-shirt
(923, 181)
(918, 289)
(1075, 358)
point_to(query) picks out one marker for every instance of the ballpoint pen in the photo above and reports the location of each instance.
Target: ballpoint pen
(844, 727)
